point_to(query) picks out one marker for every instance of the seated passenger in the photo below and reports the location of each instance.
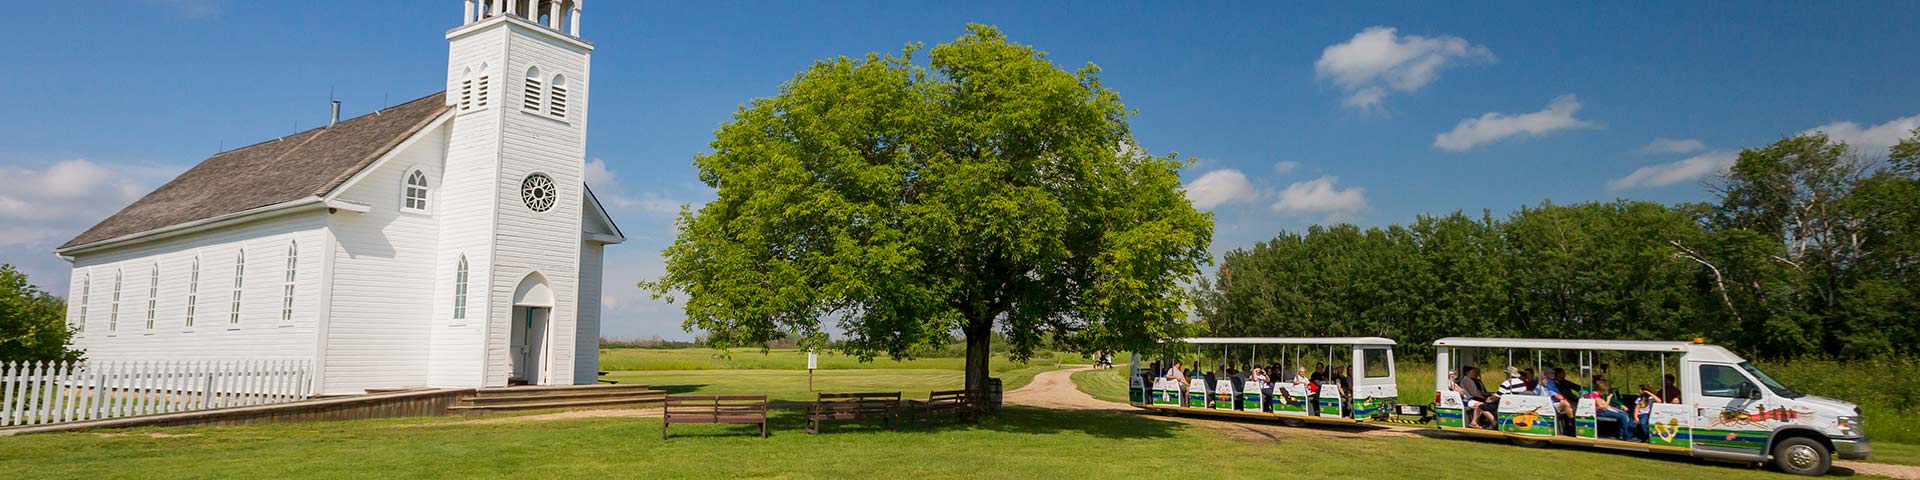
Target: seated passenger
(1563, 384)
(1265, 385)
(1516, 383)
(1177, 374)
(1606, 404)
(1670, 393)
(1643, 408)
(1479, 404)
(1345, 380)
(1550, 388)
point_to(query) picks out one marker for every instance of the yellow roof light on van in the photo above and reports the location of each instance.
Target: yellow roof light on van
(1699, 341)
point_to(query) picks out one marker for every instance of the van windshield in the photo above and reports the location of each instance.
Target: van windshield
(1771, 384)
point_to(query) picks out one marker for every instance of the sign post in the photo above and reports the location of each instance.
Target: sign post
(813, 361)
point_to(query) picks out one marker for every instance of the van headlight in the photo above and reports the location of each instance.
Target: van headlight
(1852, 426)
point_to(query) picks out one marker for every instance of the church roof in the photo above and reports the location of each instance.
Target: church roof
(303, 165)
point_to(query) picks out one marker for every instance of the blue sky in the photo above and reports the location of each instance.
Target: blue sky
(1297, 114)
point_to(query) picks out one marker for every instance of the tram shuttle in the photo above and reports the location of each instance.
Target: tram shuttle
(1725, 408)
(1368, 393)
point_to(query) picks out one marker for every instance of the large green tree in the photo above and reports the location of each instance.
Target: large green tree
(33, 324)
(988, 189)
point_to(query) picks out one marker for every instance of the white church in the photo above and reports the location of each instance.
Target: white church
(450, 241)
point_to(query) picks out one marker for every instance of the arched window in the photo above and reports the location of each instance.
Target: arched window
(530, 100)
(113, 311)
(415, 192)
(558, 105)
(193, 291)
(286, 290)
(460, 290)
(466, 89)
(153, 293)
(239, 282)
(86, 297)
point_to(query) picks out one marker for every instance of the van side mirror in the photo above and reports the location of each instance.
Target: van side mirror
(1747, 390)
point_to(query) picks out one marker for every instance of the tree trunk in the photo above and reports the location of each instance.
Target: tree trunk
(979, 342)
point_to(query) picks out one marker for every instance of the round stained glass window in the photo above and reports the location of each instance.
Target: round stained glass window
(538, 192)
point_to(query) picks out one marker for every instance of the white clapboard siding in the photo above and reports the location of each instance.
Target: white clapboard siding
(38, 393)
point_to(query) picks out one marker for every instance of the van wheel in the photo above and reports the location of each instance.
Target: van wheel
(1802, 456)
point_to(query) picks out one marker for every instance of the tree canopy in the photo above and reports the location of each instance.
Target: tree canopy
(33, 325)
(1811, 248)
(988, 189)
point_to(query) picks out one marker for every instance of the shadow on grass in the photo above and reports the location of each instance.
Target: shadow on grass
(1012, 420)
(679, 389)
(1038, 421)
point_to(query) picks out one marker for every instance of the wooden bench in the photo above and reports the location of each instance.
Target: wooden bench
(742, 409)
(853, 406)
(962, 403)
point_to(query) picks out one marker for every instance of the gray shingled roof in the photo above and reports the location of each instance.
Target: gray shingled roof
(297, 166)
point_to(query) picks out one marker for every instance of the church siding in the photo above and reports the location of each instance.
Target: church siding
(382, 313)
(260, 334)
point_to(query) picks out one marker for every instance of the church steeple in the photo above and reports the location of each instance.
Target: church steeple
(559, 15)
(513, 194)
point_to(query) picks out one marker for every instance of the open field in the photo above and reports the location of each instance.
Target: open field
(1019, 443)
(623, 359)
(782, 375)
(791, 385)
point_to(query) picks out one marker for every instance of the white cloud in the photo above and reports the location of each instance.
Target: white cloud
(1220, 187)
(1495, 126)
(1379, 59)
(192, 9)
(606, 186)
(1874, 140)
(1285, 167)
(1320, 195)
(1660, 175)
(43, 205)
(69, 191)
(1668, 145)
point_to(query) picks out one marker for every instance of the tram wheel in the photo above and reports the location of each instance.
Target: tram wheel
(1293, 423)
(1530, 443)
(1801, 456)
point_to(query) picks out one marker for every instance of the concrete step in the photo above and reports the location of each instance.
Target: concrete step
(559, 397)
(623, 402)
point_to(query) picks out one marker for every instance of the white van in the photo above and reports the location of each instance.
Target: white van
(1727, 408)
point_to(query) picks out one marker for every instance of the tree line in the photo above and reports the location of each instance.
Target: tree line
(1809, 248)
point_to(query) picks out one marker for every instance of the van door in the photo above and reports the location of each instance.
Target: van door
(1729, 414)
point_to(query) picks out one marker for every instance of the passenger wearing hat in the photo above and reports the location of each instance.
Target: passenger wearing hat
(1514, 384)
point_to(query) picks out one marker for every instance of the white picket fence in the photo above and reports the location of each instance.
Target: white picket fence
(37, 393)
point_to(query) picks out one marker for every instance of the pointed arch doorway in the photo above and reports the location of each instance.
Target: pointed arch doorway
(527, 352)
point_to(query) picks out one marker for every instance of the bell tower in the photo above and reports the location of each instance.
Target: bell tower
(518, 77)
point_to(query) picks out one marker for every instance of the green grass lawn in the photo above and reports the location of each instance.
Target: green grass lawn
(1109, 384)
(781, 373)
(1018, 443)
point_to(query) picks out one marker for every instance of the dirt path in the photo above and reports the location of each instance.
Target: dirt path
(1055, 390)
(1881, 469)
